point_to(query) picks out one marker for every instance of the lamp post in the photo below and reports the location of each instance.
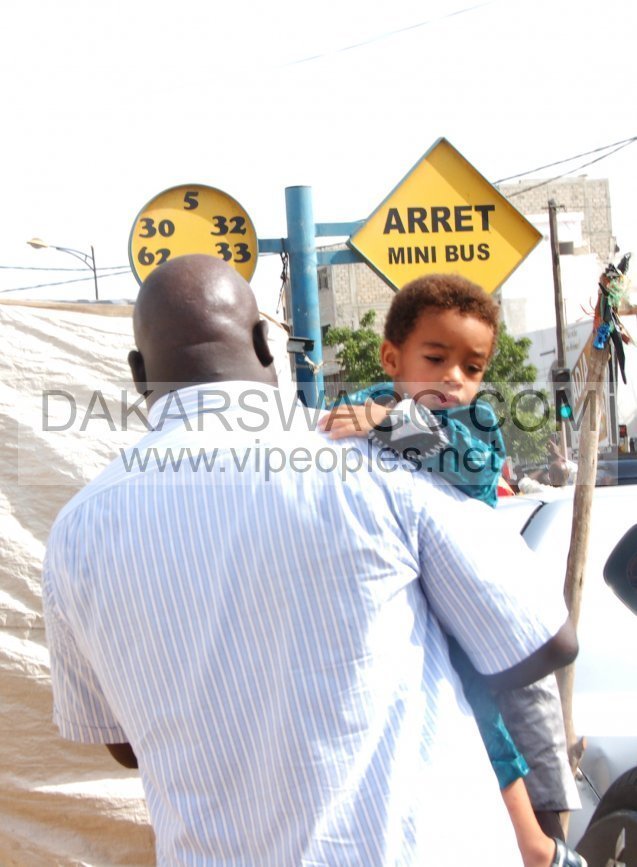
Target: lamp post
(89, 260)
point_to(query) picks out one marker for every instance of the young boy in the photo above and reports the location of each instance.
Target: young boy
(436, 362)
(440, 334)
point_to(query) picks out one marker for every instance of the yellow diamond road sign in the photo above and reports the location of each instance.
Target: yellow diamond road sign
(444, 217)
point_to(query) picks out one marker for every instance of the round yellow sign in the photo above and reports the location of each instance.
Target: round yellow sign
(192, 218)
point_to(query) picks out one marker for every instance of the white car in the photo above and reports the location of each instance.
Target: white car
(605, 693)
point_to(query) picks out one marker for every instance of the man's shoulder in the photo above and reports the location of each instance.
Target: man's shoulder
(113, 474)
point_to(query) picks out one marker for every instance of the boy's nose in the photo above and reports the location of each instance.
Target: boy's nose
(452, 374)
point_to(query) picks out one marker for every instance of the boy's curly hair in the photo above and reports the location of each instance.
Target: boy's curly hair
(438, 292)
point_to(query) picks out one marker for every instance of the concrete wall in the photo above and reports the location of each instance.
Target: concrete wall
(589, 196)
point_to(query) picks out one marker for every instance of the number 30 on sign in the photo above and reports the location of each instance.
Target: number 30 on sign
(192, 219)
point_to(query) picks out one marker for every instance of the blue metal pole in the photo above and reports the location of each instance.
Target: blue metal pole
(306, 321)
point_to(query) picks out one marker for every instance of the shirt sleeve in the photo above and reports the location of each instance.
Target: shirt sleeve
(80, 709)
(485, 585)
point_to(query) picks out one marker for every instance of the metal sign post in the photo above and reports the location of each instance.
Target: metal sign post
(304, 258)
(306, 320)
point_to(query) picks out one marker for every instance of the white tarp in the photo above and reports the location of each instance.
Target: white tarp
(60, 803)
(63, 382)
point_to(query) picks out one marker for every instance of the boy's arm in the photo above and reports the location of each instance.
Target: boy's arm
(469, 456)
(411, 430)
(463, 445)
(407, 427)
(346, 420)
(355, 415)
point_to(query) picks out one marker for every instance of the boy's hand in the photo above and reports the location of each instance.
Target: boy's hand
(353, 421)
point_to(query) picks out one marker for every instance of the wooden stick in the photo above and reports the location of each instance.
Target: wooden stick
(580, 528)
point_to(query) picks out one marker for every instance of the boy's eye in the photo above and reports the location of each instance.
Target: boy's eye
(434, 359)
(475, 368)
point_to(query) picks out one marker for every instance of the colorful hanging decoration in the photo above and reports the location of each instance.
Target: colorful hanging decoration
(613, 290)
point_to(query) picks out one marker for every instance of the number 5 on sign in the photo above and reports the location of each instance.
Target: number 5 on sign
(192, 218)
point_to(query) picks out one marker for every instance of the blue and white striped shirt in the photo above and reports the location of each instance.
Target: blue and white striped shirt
(265, 627)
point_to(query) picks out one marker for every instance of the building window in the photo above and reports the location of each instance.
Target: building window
(324, 330)
(323, 278)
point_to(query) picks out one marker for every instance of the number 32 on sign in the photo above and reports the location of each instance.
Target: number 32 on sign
(192, 218)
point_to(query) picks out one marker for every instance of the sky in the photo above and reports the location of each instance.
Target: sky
(107, 104)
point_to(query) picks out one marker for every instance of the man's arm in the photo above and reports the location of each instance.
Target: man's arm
(80, 708)
(559, 651)
(123, 753)
(502, 602)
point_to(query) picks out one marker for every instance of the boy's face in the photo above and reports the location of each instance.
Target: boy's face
(442, 361)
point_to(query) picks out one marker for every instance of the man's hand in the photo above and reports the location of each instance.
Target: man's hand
(346, 420)
(559, 651)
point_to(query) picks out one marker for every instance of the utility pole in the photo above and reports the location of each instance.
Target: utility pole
(559, 308)
(306, 316)
(97, 297)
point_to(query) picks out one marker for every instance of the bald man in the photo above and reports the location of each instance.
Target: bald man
(257, 622)
(195, 321)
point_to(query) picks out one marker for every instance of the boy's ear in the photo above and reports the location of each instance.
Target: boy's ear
(389, 357)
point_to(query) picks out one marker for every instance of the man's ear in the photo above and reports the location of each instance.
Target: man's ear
(389, 357)
(138, 370)
(260, 343)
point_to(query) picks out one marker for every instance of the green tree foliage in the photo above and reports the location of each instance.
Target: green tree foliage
(527, 420)
(509, 363)
(358, 351)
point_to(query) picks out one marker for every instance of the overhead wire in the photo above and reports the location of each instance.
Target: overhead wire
(387, 35)
(578, 168)
(625, 141)
(44, 268)
(63, 282)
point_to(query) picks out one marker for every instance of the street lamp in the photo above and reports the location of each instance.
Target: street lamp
(89, 260)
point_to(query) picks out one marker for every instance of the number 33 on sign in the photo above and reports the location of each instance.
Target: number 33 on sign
(192, 219)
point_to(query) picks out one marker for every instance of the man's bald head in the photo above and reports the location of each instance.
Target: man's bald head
(196, 320)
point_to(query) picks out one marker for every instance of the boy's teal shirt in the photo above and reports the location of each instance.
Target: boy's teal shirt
(473, 459)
